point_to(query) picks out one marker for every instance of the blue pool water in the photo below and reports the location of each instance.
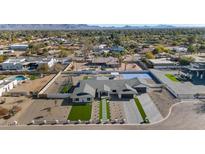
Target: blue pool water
(20, 78)
(139, 76)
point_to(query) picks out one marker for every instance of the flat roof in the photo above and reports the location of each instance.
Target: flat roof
(161, 61)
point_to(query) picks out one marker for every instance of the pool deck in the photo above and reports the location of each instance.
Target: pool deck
(184, 90)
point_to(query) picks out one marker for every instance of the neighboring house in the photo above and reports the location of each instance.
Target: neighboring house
(117, 49)
(178, 49)
(6, 52)
(102, 48)
(27, 63)
(196, 70)
(13, 64)
(162, 63)
(7, 84)
(88, 90)
(20, 47)
(105, 62)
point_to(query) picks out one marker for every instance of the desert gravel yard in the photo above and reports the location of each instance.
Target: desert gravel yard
(33, 85)
(42, 109)
(116, 110)
(163, 100)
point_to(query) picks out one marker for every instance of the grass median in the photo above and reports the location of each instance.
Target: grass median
(141, 110)
(172, 77)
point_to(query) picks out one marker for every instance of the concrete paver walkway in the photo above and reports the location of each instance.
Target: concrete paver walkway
(104, 110)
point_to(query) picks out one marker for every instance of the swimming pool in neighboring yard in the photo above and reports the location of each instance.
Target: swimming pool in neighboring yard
(20, 78)
(137, 75)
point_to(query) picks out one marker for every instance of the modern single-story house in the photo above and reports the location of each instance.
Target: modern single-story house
(88, 90)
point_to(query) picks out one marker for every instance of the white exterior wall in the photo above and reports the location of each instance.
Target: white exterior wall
(8, 87)
(12, 66)
(82, 100)
(165, 67)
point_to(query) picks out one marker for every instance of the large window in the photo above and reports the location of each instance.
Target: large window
(77, 99)
(88, 99)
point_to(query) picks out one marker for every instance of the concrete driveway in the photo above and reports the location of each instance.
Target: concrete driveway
(150, 108)
(131, 112)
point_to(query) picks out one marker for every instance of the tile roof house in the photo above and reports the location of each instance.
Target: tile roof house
(88, 90)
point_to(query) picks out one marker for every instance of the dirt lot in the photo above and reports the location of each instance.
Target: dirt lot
(129, 67)
(163, 100)
(42, 109)
(33, 85)
(58, 83)
(10, 102)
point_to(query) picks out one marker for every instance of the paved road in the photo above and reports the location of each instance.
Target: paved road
(186, 115)
(131, 112)
(150, 108)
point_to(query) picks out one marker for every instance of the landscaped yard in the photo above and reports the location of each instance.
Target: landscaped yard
(34, 77)
(172, 77)
(85, 77)
(66, 88)
(80, 112)
(141, 110)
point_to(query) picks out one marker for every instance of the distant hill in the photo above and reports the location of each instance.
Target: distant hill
(74, 27)
(45, 26)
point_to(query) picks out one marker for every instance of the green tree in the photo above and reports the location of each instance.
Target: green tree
(149, 55)
(43, 68)
(192, 49)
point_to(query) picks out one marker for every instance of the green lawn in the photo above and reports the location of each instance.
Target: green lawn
(85, 77)
(172, 77)
(33, 77)
(66, 88)
(80, 112)
(141, 110)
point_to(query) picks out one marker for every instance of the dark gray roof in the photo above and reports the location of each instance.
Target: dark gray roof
(91, 86)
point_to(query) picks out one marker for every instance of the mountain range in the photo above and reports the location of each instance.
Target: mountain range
(79, 26)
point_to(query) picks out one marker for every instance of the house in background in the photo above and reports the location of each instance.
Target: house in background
(6, 52)
(19, 47)
(108, 62)
(196, 70)
(162, 63)
(88, 90)
(27, 63)
(179, 49)
(117, 49)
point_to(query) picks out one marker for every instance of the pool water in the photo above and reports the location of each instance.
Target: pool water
(20, 78)
(139, 76)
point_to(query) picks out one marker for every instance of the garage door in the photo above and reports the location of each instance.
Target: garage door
(127, 95)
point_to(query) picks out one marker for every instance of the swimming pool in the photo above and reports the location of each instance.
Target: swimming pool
(20, 78)
(139, 76)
